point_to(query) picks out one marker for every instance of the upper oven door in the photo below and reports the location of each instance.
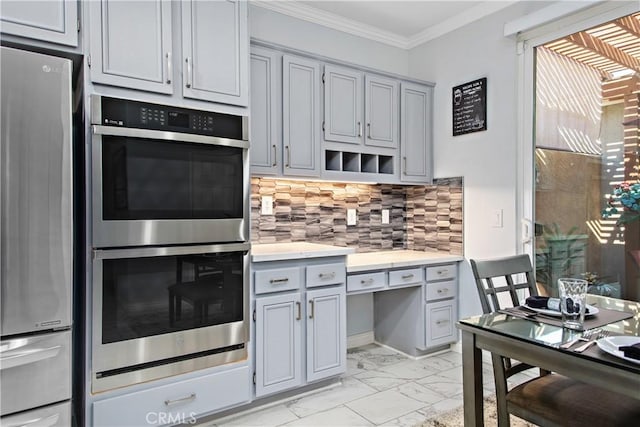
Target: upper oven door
(155, 187)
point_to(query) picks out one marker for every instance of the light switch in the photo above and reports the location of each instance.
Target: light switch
(496, 218)
(385, 216)
(351, 217)
(267, 205)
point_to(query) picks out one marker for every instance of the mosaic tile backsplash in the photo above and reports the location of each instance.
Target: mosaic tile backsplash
(421, 218)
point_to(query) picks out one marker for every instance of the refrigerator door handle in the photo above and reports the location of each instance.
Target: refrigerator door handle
(27, 356)
(49, 421)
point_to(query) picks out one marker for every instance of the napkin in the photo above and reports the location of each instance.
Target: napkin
(631, 351)
(539, 301)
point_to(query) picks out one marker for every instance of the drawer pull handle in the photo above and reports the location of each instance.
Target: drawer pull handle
(444, 290)
(442, 322)
(299, 316)
(311, 309)
(324, 276)
(441, 272)
(191, 397)
(277, 281)
(366, 282)
(407, 276)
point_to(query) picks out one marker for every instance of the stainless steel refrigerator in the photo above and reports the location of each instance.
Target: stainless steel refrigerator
(36, 262)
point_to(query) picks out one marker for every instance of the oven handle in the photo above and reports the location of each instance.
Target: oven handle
(171, 250)
(168, 136)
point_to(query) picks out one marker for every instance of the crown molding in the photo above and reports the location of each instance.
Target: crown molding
(331, 20)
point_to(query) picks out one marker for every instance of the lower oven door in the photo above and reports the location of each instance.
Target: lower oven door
(164, 311)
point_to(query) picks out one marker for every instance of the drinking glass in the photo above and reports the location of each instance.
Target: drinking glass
(573, 296)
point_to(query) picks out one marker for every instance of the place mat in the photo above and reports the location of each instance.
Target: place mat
(604, 317)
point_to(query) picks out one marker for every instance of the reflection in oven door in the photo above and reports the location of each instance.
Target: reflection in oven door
(159, 310)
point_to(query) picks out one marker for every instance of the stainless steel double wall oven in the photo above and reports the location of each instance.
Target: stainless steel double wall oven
(170, 231)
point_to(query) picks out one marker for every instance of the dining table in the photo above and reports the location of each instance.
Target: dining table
(534, 340)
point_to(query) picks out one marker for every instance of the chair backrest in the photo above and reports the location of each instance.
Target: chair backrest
(499, 276)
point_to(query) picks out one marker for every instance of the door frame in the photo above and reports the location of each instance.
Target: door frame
(527, 41)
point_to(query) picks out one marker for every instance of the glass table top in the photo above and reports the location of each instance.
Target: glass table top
(551, 335)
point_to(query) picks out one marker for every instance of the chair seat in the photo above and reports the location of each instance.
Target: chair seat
(566, 402)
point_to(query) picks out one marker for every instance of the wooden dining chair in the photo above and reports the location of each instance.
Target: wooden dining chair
(548, 400)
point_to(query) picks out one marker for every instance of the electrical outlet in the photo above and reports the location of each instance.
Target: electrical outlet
(385, 216)
(351, 217)
(267, 205)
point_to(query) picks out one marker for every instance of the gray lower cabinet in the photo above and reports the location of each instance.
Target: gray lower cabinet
(416, 105)
(301, 116)
(278, 343)
(53, 21)
(326, 332)
(266, 111)
(130, 44)
(215, 51)
(440, 305)
(300, 324)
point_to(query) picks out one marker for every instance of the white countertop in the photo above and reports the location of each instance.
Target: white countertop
(396, 259)
(296, 250)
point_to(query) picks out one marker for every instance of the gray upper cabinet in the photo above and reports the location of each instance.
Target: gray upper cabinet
(54, 21)
(130, 44)
(301, 116)
(215, 49)
(343, 121)
(416, 133)
(266, 112)
(381, 111)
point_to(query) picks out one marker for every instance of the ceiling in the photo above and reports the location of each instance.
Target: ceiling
(399, 23)
(611, 48)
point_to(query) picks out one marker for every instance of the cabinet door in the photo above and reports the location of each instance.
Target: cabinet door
(130, 44)
(416, 133)
(278, 343)
(440, 319)
(301, 116)
(215, 46)
(266, 147)
(381, 112)
(342, 105)
(54, 21)
(326, 333)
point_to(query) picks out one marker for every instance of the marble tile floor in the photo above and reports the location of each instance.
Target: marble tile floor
(380, 388)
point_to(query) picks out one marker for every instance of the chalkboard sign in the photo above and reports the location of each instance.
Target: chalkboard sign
(470, 107)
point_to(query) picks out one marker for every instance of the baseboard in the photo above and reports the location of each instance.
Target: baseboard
(358, 340)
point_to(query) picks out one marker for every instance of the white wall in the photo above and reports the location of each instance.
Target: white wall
(486, 160)
(281, 29)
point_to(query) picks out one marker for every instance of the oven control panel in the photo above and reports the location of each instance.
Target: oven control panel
(142, 115)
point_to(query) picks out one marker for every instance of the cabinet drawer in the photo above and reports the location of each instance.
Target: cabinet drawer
(405, 277)
(366, 282)
(278, 279)
(441, 272)
(46, 357)
(441, 290)
(326, 274)
(49, 416)
(179, 402)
